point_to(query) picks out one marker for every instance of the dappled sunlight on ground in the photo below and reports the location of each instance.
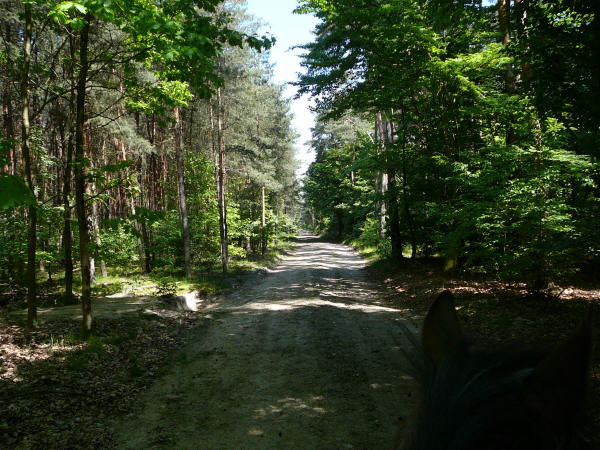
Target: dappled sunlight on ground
(12, 356)
(310, 355)
(102, 307)
(301, 303)
(316, 274)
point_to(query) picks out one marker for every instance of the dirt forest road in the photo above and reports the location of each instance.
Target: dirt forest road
(308, 357)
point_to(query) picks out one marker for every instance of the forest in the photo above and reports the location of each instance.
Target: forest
(463, 130)
(169, 278)
(137, 134)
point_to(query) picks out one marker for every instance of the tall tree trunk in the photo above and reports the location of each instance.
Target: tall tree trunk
(263, 222)
(394, 216)
(80, 182)
(183, 212)
(390, 194)
(596, 73)
(67, 240)
(382, 179)
(278, 208)
(8, 125)
(407, 206)
(98, 241)
(382, 188)
(95, 222)
(221, 180)
(504, 11)
(25, 133)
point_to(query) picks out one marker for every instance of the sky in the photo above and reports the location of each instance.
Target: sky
(290, 30)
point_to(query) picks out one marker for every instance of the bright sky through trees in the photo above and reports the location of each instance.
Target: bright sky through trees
(290, 30)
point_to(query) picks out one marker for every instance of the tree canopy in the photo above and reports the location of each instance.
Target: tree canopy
(486, 151)
(136, 118)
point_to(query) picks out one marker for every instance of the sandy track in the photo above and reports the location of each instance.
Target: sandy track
(310, 357)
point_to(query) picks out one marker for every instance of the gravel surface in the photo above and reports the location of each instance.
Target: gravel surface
(308, 357)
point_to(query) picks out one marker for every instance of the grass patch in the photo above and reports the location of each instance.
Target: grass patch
(132, 282)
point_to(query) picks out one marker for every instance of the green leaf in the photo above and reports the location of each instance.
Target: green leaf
(14, 192)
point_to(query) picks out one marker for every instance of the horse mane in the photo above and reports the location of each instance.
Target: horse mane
(472, 397)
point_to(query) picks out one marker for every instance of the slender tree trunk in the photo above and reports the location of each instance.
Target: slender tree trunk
(221, 180)
(394, 217)
(183, 212)
(263, 222)
(98, 241)
(25, 133)
(80, 182)
(67, 240)
(8, 127)
(596, 72)
(146, 247)
(95, 222)
(504, 20)
(382, 179)
(103, 270)
(277, 216)
(390, 206)
(382, 185)
(407, 207)
(504, 12)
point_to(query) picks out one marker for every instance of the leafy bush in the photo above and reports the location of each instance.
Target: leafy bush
(369, 233)
(119, 244)
(166, 287)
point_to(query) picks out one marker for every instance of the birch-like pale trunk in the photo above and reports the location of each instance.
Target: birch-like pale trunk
(25, 133)
(221, 185)
(389, 212)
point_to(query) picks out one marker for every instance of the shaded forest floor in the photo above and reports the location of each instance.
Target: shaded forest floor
(495, 313)
(57, 391)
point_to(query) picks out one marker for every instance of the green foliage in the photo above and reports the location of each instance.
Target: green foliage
(13, 189)
(493, 169)
(14, 192)
(166, 287)
(286, 227)
(145, 58)
(369, 233)
(13, 245)
(119, 243)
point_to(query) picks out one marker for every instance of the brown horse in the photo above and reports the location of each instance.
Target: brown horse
(507, 399)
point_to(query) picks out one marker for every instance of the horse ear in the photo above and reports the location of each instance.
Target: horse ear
(442, 333)
(558, 384)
